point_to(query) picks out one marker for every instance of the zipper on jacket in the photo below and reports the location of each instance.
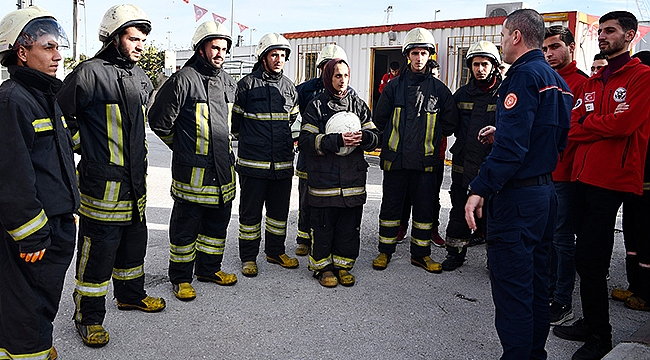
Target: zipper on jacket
(625, 151)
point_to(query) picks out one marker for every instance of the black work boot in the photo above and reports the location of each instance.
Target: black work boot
(455, 258)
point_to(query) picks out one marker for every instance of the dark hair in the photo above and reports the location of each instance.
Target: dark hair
(143, 27)
(626, 19)
(530, 24)
(644, 56)
(394, 65)
(565, 34)
(432, 64)
(600, 56)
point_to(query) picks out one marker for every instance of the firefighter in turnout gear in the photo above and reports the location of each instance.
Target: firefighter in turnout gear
(337, 180)
(415, 111)
(266, 105)
(477, 104)
(104, 100)
(307, 91)
(190, 115)
(38, 191)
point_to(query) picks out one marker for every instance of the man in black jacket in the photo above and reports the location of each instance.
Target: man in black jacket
(192, 119)
(104, 100)
(38, 191)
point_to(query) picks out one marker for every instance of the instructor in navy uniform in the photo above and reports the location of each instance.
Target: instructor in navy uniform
(533, 113)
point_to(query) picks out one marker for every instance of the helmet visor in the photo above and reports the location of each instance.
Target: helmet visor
(45, 32)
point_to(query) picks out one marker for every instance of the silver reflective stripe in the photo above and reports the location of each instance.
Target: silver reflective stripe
(343, 262)
(283, 165)
(387, 240)
(254, 164)
(267, 116)
(41, 125)
(354, 191)
(202, 129)
(125, 205)
(30, 227)
(209, 249)
(128, 274)
(41, 355)
(112, 191)
(419, 242)
(324, 192)
(91, 289)
(310, 128)
(368, 126)
(197, 177)
(211, 241)
(320, 264)
(422, 226)
(388, 223)
(114, 131)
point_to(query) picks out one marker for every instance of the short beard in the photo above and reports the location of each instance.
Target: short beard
(124, 52)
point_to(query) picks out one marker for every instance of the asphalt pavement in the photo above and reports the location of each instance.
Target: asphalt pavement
(402, 312)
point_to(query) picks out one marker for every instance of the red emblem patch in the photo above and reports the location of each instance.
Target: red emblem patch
(590, 97)
(510, 101)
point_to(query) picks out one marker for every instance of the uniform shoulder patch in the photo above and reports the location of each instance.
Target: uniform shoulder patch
(578, 103)
(510, 101)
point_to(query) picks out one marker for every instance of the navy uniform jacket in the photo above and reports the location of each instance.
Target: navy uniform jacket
(533, 117)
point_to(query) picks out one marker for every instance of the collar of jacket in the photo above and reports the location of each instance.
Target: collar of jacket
(532, 55)
(112, 55)
(30, 78)
(569, 69)
(416, 77)
(271, 77)
(202, 65)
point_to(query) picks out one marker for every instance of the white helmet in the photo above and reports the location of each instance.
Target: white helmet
(211, 30)
(483, 48)
(119, 17)
(24, 26)
(421, 38)
(340, 123)
(330, 52)
(270, 42)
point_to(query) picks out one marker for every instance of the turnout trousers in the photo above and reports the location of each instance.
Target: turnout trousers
(636, 232)
(197, 236)
(421, 187)
(274, 194)
(458, 233)
(105, 250)
(336, 237)
(304, 210)
(520, 227)
(30, 295)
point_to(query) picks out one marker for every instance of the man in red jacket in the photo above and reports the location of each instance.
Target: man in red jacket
(558, 48)
(608, 168)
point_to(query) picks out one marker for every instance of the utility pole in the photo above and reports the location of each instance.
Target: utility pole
(22, 4)
(388, 11)
(75, 20)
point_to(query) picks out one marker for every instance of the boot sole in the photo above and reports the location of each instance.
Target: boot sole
(136, 307)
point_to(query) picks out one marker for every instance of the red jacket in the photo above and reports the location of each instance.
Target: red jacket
(384, 80)
(575, 78)
(611, 149)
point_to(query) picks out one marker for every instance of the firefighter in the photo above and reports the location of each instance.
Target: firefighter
(266, 104)
(476, 103)
(415, 112)
(337, 181)
(307, 91)
(190, 114)
(38, 191)
(104, 100)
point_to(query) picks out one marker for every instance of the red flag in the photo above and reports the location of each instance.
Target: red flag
(242, 27)
(187, 1)
(218, 18)
(199, 12)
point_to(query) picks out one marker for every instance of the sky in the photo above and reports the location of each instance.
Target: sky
(174, 23)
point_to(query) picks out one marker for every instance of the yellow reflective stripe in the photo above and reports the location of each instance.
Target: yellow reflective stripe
(182, 254)
(419, 242)
(237, 109)
(112, 190)
(267, 116)
(197, 176)
(429, 136)
(301, 174)
(76, 141)
(386, 165)
(422, 226)
(167, 139)
(100, 215)
(389, 223)
(254, 164)
(182, 249)
(369, 125)
(65, 124)
(646, 186)
(320, 264)
(204, 194)
(115, 136)
(317, 144)
(343, 262)
(30, 227)
(211, 250)
(41, 355)
(393, 139)
(41, 125)
(283, 165)
(388, 240)
(202, 128)
(123, 205)
(276, 227)
(303, 235)
(294, 110)
(492, 107)
(428, 169)
(250, 232)
(324, 192)
(457, 169)
(310, 128)
(91, 289)
(128, 274)
(85, 254)
(465, 105)
(210, 245)
(354, 191)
